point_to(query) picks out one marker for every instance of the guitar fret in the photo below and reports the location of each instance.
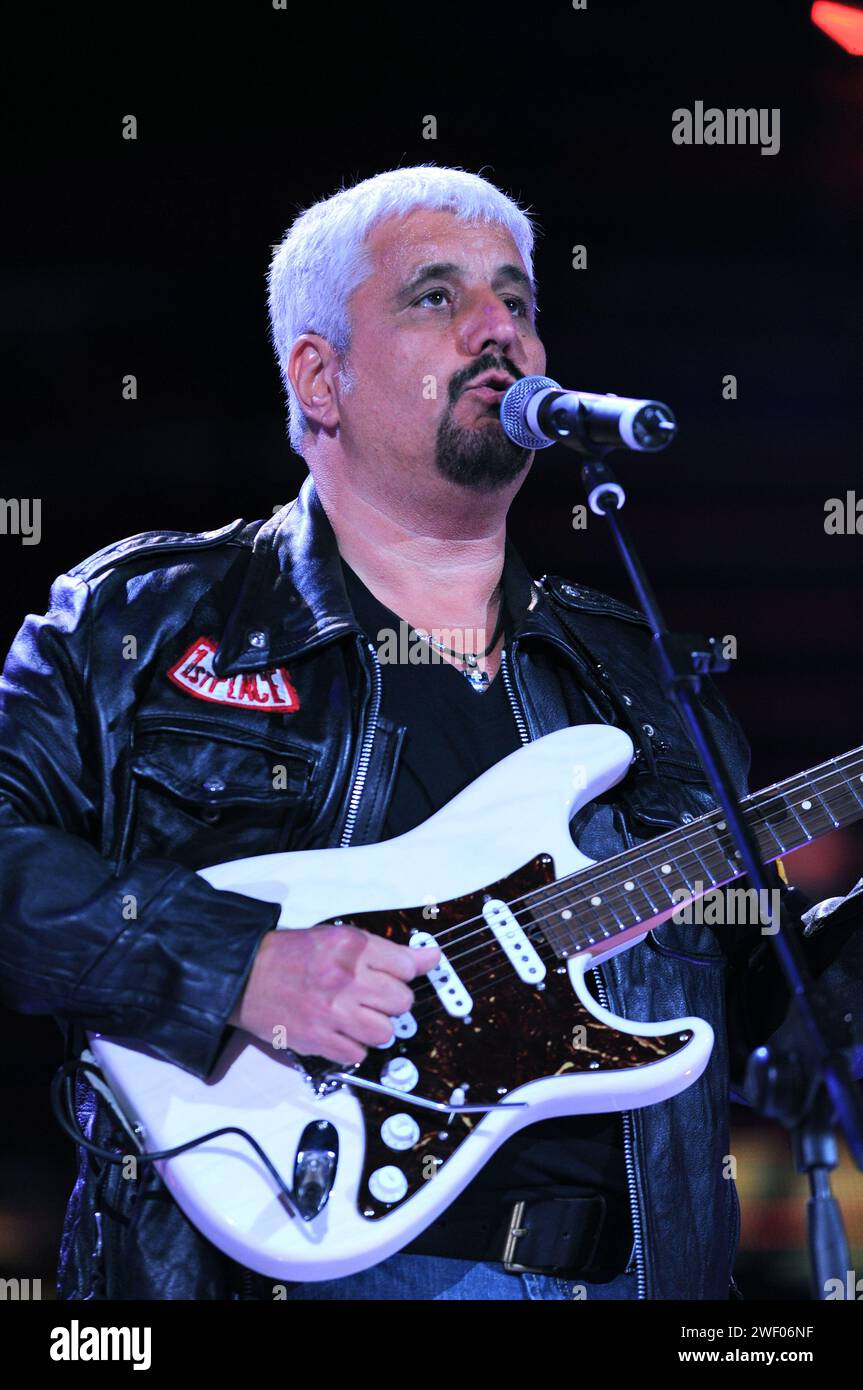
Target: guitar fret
(828, 811)
(729, 867)
(621, 926)
(591, 927)
(823, 807)
(597, 928)
(714, 860)
(851, 787)
(597, 904)
(670, 881)
(817, 815)
(792, 809)
(662, 879)
(704, 866)
(637, 884)
(765, 821)
(768, 837)
(727, 864)
(599, 913)
(650, 903)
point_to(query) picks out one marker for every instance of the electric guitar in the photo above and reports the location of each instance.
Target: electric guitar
(325, 1169)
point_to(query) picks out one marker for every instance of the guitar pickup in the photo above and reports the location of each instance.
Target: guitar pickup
(512, 936)
(445, 980)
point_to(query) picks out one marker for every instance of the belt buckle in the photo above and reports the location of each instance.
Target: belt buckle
(514, 1232)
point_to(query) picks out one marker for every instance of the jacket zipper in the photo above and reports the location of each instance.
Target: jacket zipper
(365, 754)
(520, 722)
(629, 1160)
(628, 1140)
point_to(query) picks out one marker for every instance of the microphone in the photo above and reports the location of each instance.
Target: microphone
(536, 412)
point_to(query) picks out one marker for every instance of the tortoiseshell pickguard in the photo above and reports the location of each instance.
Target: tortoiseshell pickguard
(516, 1033)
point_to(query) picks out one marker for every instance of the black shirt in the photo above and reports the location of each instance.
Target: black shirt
(454, 734)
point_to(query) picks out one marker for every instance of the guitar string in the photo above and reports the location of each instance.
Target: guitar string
(487, 982)
(487, 936)
(478, 981)
(429, 1007)
(536, 926)
(484, 936)
(697, 849)
(660, 848)
(689, 838)
(669, 842)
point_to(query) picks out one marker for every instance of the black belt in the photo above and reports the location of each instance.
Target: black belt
(570, 1236)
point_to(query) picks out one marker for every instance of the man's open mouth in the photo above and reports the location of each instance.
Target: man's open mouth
(490, 388)
(491, 395)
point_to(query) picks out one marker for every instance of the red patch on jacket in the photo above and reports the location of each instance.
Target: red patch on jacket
(270, 690)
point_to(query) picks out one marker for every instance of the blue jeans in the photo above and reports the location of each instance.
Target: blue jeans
(434, 1277)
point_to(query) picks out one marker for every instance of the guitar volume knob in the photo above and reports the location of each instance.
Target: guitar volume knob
(400, 1131)
(400, 1073)
(388, 1184)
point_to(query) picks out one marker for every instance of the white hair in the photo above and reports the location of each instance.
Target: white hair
(322, 259)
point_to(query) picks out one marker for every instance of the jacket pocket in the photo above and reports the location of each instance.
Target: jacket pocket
(203, 794)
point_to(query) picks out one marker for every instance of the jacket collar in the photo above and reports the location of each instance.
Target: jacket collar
(293, 596)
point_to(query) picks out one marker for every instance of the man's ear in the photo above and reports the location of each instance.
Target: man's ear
(312, 365)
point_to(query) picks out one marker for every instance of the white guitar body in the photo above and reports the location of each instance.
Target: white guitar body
(518, 810)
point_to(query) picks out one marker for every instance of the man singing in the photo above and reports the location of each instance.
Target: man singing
(142, 719)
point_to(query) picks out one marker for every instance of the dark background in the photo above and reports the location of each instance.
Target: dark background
(149, 257)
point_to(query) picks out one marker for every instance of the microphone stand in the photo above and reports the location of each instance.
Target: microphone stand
(809, 1087)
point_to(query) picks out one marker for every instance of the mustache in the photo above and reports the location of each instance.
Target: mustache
(487, 363)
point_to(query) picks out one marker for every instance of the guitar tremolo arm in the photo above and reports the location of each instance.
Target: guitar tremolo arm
(331, 1078)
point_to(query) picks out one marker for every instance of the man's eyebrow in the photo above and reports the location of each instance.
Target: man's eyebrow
(436, 270)
(512, 273)
(439, 270)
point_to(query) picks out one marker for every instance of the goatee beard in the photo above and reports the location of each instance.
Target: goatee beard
(482, 459)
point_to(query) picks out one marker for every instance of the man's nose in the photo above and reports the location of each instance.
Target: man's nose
(487, 325)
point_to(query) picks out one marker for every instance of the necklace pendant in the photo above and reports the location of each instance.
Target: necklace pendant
(478, 679)
(470, 658)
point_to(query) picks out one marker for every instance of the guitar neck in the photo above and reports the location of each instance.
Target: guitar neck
(663, 875)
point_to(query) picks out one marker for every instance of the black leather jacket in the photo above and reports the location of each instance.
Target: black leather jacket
(116, 784)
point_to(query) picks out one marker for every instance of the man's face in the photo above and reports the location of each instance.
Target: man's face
(447, 303)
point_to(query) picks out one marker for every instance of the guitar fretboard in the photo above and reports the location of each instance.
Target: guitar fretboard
(683, 865)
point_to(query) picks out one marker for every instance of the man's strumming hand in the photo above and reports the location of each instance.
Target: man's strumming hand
(332, 990)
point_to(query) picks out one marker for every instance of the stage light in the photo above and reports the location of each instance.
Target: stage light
(844, 23)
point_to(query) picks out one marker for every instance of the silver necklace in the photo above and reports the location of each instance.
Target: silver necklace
(477, 679)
